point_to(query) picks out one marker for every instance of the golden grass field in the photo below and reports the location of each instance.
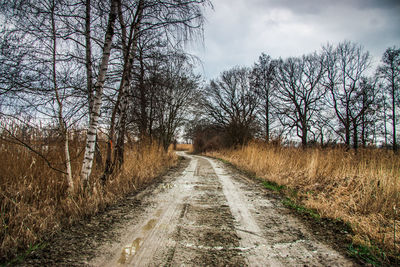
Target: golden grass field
(184, 147)
(33, 198)
(361, 188)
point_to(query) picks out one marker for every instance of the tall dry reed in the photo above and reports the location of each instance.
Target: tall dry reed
(34, 199)
(360, 188)
(184, 147)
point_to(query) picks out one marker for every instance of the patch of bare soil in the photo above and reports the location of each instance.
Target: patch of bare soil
(201, 214)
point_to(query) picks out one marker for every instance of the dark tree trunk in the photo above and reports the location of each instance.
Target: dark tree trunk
(394, 115)
(347, 134)
(129, 51)
(267, 137)
(304, 138)
(143, 102)
(355, 136)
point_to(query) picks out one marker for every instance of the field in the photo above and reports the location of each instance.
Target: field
(361, 189)
(184, 147)
(34, 199)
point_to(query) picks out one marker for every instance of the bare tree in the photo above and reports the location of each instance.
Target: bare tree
(231, 103)
(43, 67)
(163, 88)
(178, 91)
(363, 108)
(98, 94)
(62, 125)
(383, 117)
(262, 79)
(299, 92)
(345, 66)
(390, 73)
(177, 21)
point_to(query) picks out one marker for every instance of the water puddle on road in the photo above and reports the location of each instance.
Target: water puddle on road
(129, 251)
(159, 212)
(168, 186)
(149, 225)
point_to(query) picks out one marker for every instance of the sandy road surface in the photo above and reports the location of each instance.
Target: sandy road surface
(209, 216)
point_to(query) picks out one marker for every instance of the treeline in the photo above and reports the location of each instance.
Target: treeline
(113, 70)
(332, 96)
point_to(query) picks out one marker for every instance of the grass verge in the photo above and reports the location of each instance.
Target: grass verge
(301, 209)
(273, 186)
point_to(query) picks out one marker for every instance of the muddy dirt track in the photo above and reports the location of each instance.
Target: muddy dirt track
(203, 214)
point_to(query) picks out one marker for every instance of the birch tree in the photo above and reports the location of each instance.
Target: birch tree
(176, 21)
(129, 43)
(40, 86)
(98, 94)
(62, 125)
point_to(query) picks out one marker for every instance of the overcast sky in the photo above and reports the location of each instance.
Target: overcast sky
(238, 31)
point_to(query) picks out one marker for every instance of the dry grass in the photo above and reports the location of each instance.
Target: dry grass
(360, 188)
(33, 198)
(184, 147)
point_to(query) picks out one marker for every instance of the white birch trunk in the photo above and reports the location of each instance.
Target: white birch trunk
(98, 88)
(68, 163)
(62, 125)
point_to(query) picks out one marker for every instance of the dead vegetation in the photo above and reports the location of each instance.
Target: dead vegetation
(362, 189)
(35, 200)
(184, 147)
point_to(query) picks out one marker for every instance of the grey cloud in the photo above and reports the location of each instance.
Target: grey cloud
(319, 6)
(381, 4)
(238, 31)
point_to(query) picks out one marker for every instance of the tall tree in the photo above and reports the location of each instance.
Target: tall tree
(62, 125)
(363, 107)
(43, 68)
(299, 92)
(231, 103)
(178, 90)
(177, 21)
(390, 73)
(345, 66)
(129, 37)
(262, 78)
(98, 94)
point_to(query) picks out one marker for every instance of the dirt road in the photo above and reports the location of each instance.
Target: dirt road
(202, 213)
(209, 216)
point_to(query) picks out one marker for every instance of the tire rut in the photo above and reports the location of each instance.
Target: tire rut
(188, 224)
